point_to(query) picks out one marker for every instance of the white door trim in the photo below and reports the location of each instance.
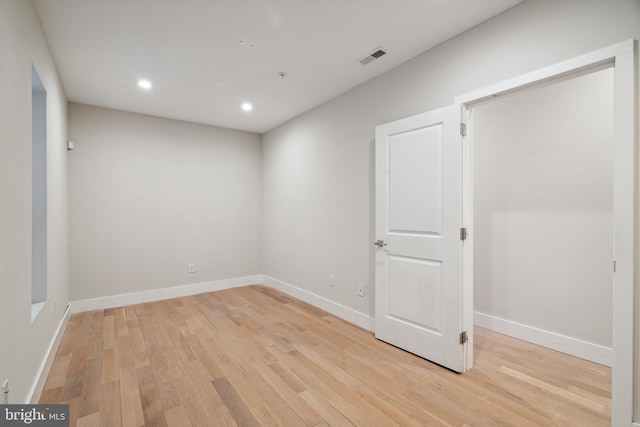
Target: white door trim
(622, 57)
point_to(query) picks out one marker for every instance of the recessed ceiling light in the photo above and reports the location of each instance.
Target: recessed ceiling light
(246, 106)
(144, 84)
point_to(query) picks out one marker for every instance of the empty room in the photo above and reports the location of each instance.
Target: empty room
(292, 212)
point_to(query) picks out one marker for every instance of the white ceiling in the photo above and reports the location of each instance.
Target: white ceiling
(205, 57)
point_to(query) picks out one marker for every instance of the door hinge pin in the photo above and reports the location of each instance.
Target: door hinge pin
(463, 129)
(463, 337)
(463, 234)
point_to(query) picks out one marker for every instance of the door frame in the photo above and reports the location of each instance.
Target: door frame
(622, 58)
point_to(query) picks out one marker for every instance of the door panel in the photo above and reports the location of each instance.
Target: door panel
(415, 181)
(422, 279)
(418, 217)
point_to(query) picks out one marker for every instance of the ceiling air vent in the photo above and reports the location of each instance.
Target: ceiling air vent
(377, 53)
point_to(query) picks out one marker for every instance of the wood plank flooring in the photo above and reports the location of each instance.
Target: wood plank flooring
(255, 357)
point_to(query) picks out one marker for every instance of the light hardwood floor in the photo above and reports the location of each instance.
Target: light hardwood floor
(253, 356)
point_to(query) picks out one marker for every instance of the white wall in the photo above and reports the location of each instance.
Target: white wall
(543, 208)
(317, 168)
(148, 196)
(316, 183)
(24, 344)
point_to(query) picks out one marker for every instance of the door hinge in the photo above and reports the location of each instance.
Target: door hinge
(463, 337)
(463, 234)
(614, 266)
(463, 129)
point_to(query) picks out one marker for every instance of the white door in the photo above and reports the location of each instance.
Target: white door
(418, 289)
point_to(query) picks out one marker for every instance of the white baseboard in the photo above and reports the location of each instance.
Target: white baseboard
(575, 347)
(350, 315)
(360, 319)
(36, 390)
(121, 300)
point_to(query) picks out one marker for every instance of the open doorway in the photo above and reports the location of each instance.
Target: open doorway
(572, 209)
(623, 264)
(543, 214)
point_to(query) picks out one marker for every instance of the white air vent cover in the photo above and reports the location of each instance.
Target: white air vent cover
(377, 53)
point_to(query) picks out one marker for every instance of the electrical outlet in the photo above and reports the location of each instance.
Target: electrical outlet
(361, 289)
(332, 282)
(192, 268)
(5, 392)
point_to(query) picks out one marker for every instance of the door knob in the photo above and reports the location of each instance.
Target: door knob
(380, 243)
